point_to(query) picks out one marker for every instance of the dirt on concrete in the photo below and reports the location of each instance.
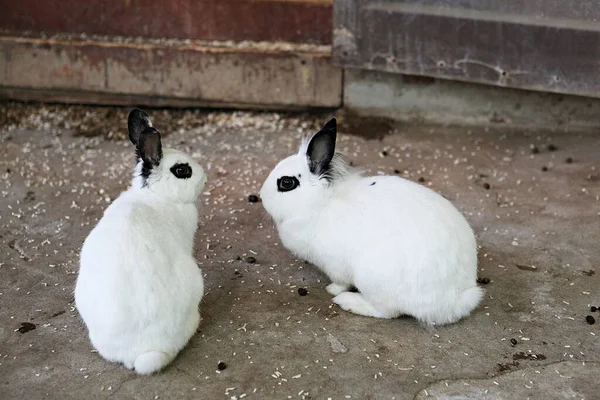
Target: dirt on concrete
(269, 328)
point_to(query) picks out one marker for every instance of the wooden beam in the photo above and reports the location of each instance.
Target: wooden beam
(177, 73)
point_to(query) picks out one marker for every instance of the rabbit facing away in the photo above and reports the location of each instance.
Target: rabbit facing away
(406, 249)
(139, 287)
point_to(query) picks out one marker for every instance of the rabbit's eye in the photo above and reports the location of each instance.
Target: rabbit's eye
(182, 171)
(287, 183)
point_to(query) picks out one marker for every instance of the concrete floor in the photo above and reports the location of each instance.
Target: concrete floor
(538, 231)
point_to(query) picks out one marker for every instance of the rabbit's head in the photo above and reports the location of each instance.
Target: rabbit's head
(169, 173)
(299, 184)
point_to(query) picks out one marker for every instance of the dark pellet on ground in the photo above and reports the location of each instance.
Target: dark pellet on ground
(250, 260)
(396, 171)
(590, 320)
(384, 153)
(535, 150)
(552, 147)
(26, 327)
(221, 366)
(593, 309)
(513, 341)
(421, 179)
(483, 281)
(486, 186)
(569, 160)
(544, 168)
(302, 291)
(29, 196)
(253, 198)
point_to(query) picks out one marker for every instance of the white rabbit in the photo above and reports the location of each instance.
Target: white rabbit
(139, 287)
(405, 248)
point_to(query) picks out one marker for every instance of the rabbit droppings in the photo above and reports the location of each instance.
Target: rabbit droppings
(139, 287)
(405, 248)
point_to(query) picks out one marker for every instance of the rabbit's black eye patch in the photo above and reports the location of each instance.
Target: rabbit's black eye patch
(182, 171)
(287, 183)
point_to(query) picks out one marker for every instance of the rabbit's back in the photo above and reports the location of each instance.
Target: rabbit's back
(387, 205)
(392, 226)
(138, 285)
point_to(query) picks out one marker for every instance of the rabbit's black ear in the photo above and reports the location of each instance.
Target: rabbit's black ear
(321, 148)
(145, 138)
(149, 147)
(137, 122)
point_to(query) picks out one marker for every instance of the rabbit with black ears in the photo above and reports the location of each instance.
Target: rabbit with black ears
(139, 286)
(406, 249)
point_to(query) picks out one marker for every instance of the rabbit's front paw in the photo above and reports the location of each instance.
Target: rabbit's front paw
(335, 288)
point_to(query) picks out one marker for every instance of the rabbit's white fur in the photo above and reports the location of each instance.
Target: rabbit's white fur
(139, 287)
(406, 249)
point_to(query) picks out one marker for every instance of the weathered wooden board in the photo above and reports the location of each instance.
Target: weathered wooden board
(540, 45)
(298, 21)
(177, 73)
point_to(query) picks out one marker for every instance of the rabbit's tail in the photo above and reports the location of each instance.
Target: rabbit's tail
(151, 361)
(467, 301)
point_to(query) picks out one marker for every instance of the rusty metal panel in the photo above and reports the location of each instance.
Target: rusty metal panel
(538, 45)
(297, 21)
(186, 73)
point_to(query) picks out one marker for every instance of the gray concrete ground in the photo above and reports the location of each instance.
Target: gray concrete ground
(537, 225)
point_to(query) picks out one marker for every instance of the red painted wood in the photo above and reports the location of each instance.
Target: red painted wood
(297, 21)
